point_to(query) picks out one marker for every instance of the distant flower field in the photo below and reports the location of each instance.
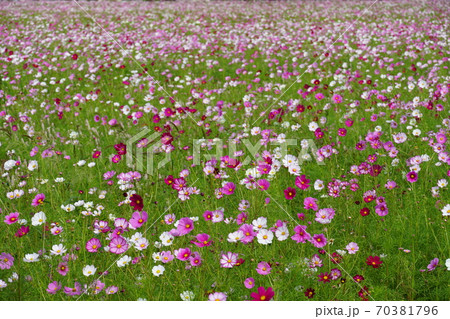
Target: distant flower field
(224, 150)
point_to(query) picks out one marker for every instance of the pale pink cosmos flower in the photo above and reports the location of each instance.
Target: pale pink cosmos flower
(352, 248)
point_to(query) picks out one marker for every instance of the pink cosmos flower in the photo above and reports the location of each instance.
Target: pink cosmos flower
(381, 209)
(433, 264)
(183, 254)
(12, 218)
(352, 248)
(202, 240)
(301, 235)
(319, 240)
(310, 203)
(337, 98)
(38, 200)
(111, 290)
(63, 268)
(411, 177)
(118, 245)
(185, 226)
(169, 219)
(249, 233)
(195, 259)
(263, 184)
(249, 283)
(76, 290)
(93, 245)
(264, 168)
(167, 256)
(228, 188)
(6, 261)
(302, 182)
(138, 219)
(217, 296)
(208, 215)
(53, 287)
(263, 268)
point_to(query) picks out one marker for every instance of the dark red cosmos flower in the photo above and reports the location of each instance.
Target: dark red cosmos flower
(121, 149)
(374, 261)
(358, 278)
(310, 293)
(336, 258)
(75, 57)
(325, 277)
(364, 211)
(263, 294)
(289, 193)
(239, 262)
(300, 108)
(169, 180)
(22, 231)
(375, 170)
(364, 293)
(136, 202)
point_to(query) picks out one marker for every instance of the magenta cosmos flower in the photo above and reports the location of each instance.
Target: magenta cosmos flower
(183, 254)
(263, 184)
(249, 283)
(263, 268)
(337, 98)
(185, 226)
(12, 218)
(412, 177)
(289, 193)
(310, 203)
(262, 294)
(138, 219)
(38, 200)
(22, 231)
(228, 188)
(93, 245)
(301, 235)
(319, 240)
(118, 245)
(202, 240)
(302, 182)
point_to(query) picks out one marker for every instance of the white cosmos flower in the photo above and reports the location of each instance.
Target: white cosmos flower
(259, 223)
(187, 296)
(38, 219)
(58, 250)
(122, 262)
(158, 270)
(89, 270)
(235, 237)
(282, 233)
(31, 258)
(446, 210)
(264, 237)
(33, 165)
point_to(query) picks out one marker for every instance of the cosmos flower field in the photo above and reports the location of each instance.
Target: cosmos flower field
(224, 151)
